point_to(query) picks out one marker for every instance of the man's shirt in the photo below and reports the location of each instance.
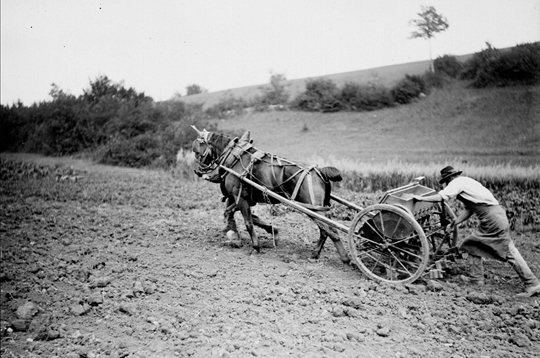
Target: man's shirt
(468, 189)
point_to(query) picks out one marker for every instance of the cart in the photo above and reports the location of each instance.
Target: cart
(396, 240)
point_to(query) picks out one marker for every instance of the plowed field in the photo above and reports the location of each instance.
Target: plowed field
(109, 262)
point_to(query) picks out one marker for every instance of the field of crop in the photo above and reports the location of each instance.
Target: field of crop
(102, 261)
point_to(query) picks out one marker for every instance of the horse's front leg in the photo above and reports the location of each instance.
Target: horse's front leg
(245, 209)
(232, 230)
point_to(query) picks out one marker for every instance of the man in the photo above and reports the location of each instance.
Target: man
(492, 239)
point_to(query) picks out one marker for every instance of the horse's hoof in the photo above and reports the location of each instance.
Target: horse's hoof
(233, 239)
(234, 244)
(276, 239)
(345, 259)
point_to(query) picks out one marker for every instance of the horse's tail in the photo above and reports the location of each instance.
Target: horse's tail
(330, 173)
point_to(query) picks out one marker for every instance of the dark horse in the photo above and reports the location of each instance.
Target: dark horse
(309, 187)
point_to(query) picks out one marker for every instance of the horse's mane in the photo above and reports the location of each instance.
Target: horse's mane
(219, 141)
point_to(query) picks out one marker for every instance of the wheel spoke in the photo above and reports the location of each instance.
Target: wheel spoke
(395, 228)
(374, 228)
(382, 222)
(399, 261)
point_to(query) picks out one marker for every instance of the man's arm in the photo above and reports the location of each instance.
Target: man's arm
(463, 216)
(435, 198)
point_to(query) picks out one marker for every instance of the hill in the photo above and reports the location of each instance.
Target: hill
(387, 76)
(453, 124)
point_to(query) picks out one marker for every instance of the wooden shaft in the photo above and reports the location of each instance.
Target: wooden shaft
(288, 202)
(346, 202)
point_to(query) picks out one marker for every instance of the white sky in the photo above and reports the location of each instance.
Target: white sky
(161, 46)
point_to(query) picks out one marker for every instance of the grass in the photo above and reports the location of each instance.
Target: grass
(455, 125)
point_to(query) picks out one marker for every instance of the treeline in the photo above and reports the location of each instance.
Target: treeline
(114, 124)
(519, 65)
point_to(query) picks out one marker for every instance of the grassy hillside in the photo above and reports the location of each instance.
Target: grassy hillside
(454, 124)
(387, 76)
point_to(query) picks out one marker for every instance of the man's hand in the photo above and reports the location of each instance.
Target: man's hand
(416, 198)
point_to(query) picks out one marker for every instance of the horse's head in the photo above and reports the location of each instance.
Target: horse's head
(205, 153)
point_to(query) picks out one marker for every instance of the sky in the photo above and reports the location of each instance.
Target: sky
(160, 47)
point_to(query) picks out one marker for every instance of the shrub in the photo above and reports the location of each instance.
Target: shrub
(409, 88)
(357, 97)
(448, 65)
(274, 95)
(228, 106)
(519, 65)
(121, 126)
(57, 129)
(132, 121)
(140, 151)
(11, 128)
(435, 80)
(320, 95)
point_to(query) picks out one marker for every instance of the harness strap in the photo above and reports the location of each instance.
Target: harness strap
(254, 157)
(310, 187)
(305, 173)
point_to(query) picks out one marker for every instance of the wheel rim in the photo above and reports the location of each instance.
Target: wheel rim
(388, 245)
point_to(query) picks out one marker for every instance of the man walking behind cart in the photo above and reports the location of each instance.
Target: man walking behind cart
(492, 238)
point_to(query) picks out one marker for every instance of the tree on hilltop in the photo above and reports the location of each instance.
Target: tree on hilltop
(194, 89)
(276, 93)
(428, 25)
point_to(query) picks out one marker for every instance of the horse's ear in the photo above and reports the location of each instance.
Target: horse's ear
(245, 137)
(199, 133)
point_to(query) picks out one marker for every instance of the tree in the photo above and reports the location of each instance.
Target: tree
(429, 24)
(194, 89)
(276, 93)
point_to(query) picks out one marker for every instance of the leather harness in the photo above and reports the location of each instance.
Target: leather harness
(236, 150)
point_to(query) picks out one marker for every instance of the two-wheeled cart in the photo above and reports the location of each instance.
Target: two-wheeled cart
(397, 240)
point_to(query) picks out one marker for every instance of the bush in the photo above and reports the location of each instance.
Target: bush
(228, 106)
(136, 152)
(448, 65)
(435, 80)
(121, 126)
(12, 134)
(357, 97)
(275, 95)
(320, 95)
(408, 89)
(519, 65)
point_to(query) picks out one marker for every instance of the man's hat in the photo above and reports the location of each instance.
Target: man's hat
(448, 172)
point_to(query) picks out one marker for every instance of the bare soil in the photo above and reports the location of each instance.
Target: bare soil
(111, 262)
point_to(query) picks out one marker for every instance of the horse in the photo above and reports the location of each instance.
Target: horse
(308, 186)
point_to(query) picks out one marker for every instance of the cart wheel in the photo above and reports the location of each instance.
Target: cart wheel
(388, 245)
(434, 226)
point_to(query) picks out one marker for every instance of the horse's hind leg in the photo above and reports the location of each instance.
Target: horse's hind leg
(245, 209)
(320, 244)
(326, 230)
(274, 231)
